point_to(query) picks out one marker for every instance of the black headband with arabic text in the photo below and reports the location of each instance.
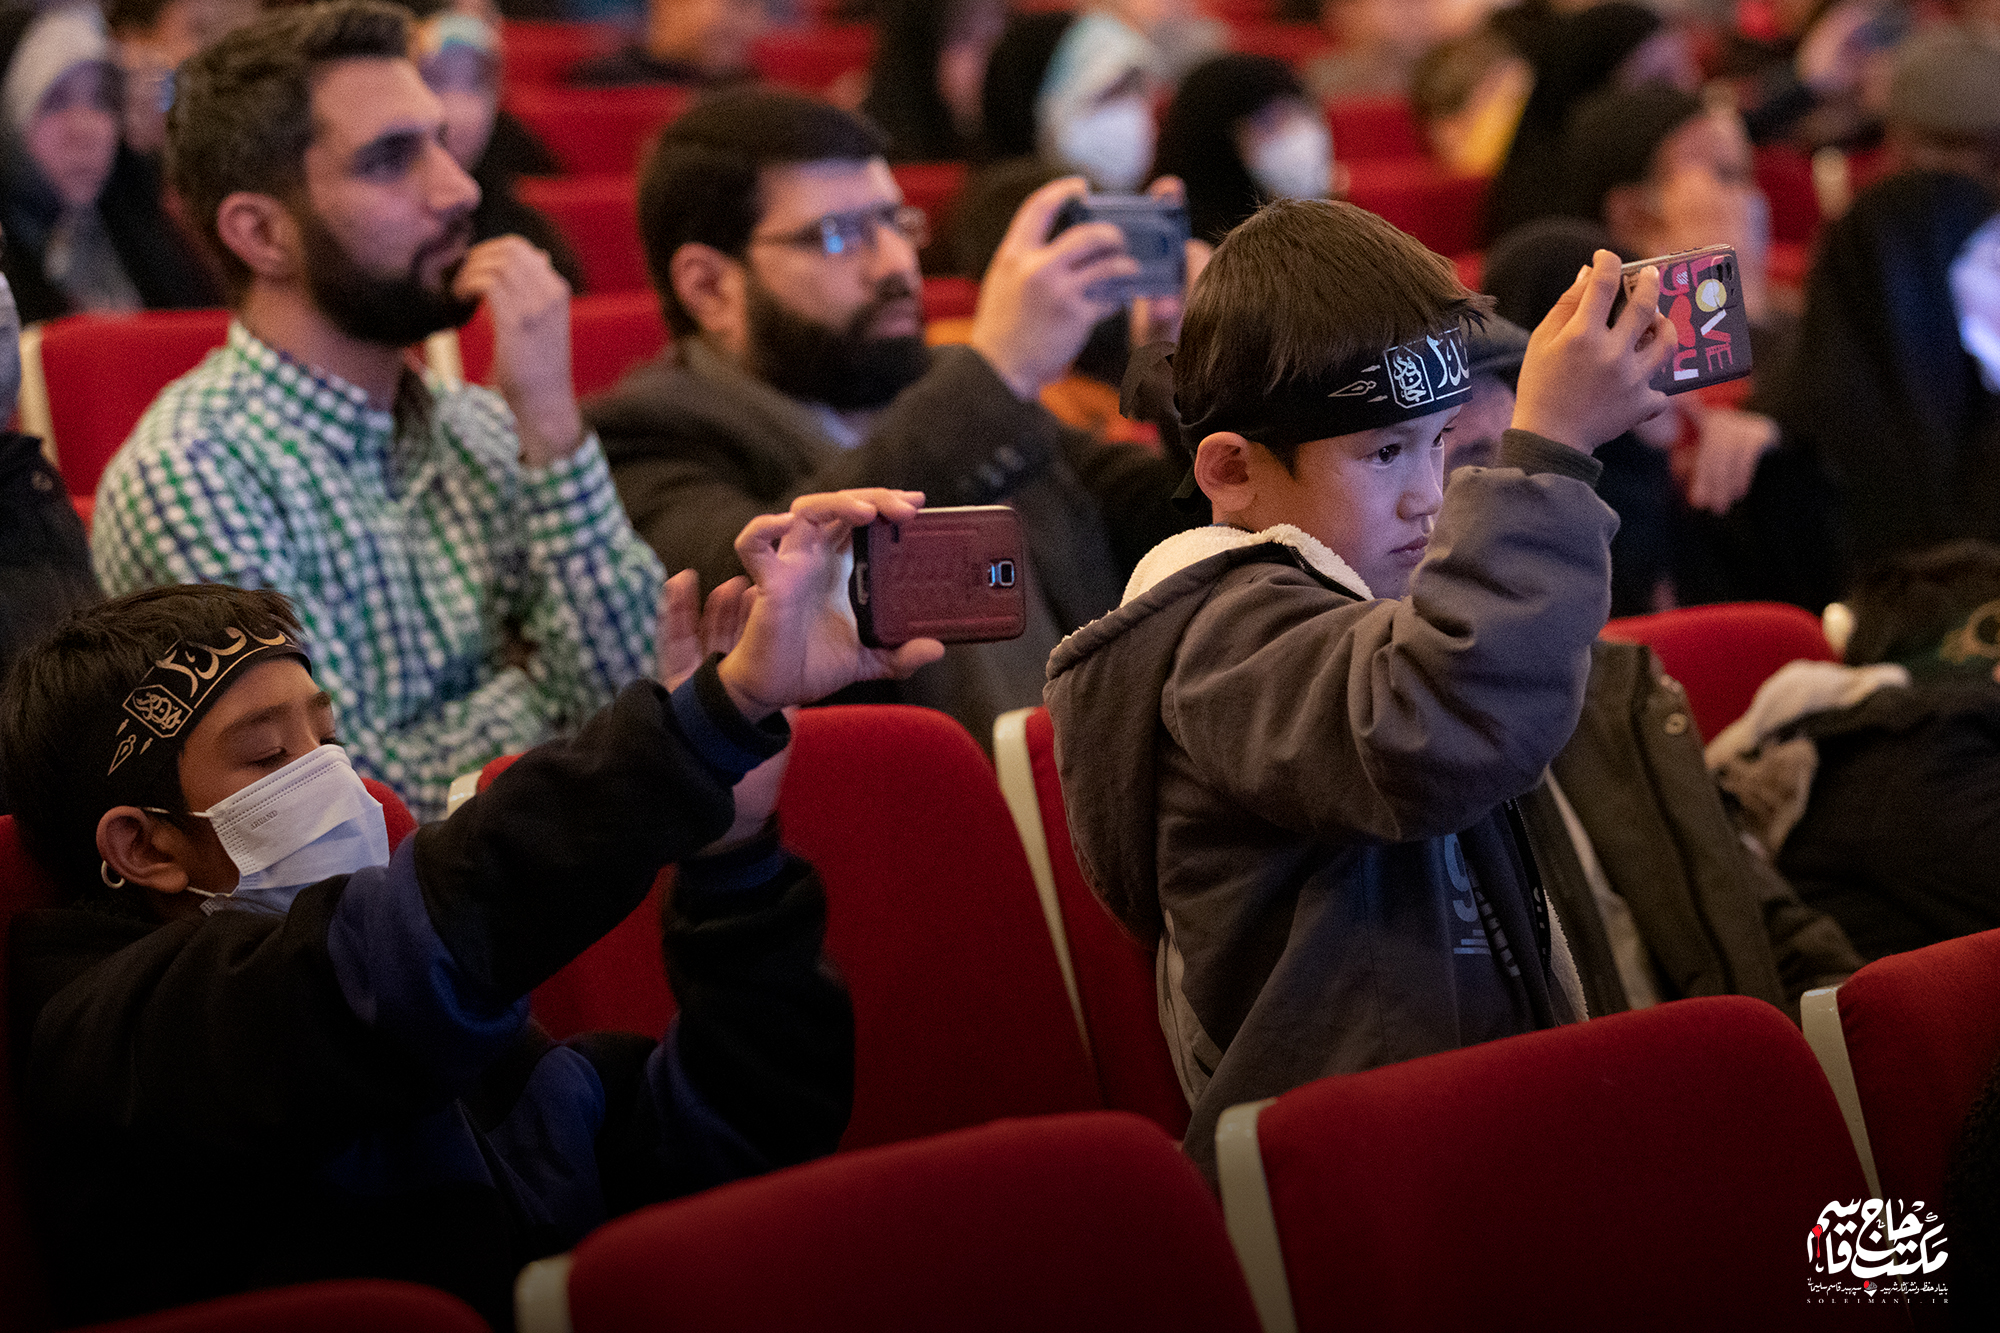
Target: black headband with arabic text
(1412, 379)
(151, 725)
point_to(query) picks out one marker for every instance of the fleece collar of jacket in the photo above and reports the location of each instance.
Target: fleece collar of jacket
(1192, 547)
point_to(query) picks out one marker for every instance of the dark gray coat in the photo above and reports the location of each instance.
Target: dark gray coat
(1285, 784)
(698, 448)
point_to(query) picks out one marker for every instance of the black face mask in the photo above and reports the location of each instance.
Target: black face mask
(392, 312)
(844, 368)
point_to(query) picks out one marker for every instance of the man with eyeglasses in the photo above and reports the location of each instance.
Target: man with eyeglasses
(786, 263)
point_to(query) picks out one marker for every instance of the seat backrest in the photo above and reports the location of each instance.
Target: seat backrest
(1785, 175)
(1297, 44)
(949, 298)
(1415, 193)
(597, 131)
(1668, 1165)
(960, 1011)
(961, 1015)
(544, 51)
(599, 217)
(814, 59)
(103, 372)
(1366, 128)
(609, 333)
(396, 816)
(316, 1307)
(1720, 654)
(1073, 1222)
(1113, 972)
(931, 186)
(1923, 1032)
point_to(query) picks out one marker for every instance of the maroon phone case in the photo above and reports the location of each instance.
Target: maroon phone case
(1701, 291)
(955, 575)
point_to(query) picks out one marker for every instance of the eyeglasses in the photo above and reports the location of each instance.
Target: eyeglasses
(853, 232)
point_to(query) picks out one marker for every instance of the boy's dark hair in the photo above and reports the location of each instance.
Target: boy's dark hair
(702, 178)
(1906, 605)
(66, 684)
(1302, 287)
(242, 113)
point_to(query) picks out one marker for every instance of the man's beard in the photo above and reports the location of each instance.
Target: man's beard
(847, 369)
(393, 312)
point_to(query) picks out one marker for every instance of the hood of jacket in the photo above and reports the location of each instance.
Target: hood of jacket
(1113, 672)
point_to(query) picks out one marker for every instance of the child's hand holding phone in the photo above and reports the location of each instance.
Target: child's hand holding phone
(1587, 378)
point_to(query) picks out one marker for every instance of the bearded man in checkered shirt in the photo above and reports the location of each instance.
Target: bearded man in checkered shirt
(466, 578)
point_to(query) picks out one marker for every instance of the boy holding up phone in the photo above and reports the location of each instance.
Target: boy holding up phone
(1290, 756)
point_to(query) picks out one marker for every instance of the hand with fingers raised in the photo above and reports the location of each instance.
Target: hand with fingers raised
(792, 634)
(1583, 383)
(1035, 308)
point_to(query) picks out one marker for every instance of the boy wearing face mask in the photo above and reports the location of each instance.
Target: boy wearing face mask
(265, 1050)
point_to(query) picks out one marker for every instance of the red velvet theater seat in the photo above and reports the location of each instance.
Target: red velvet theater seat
(1077, 1222)
(1923, 1031)
(1720, 654)
(961, 1015)
(1652, 1170)
(599, 217)
(597, 131)
(1112, 972)
(316, 1307)
(103, 371)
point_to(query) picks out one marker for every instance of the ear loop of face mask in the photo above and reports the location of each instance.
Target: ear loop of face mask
(104, 867)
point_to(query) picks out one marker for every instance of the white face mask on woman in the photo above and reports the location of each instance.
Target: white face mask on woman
(1295, 163)
(311, 820)
(1112, 143)
(1975, 294)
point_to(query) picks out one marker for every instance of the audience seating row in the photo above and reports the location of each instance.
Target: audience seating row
(1368, 1182)
(541, 53)
(87, 379)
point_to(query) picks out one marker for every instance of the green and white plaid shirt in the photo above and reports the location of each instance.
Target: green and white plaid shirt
(408, 558)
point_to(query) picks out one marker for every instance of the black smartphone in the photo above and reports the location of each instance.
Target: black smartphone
(1701, 291)
(1156, 234)
(951, 574)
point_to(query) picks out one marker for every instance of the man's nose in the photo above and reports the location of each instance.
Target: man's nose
(451, 190)
(891, 253)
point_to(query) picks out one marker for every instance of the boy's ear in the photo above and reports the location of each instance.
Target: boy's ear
(1222, 470)
(142, 850)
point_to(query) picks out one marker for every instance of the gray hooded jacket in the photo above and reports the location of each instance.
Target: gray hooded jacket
(1303, 797)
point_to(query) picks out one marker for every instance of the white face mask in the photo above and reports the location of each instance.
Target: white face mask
(1296, 164)
(1112, 144)
(309, 821)
(1975, 293)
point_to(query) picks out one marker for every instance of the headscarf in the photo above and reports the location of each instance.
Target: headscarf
(53, 44)
(903, 96)
(1014, 78)
(1880, 385)
(1573, 56)
(70, 249)
(1198, 140)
